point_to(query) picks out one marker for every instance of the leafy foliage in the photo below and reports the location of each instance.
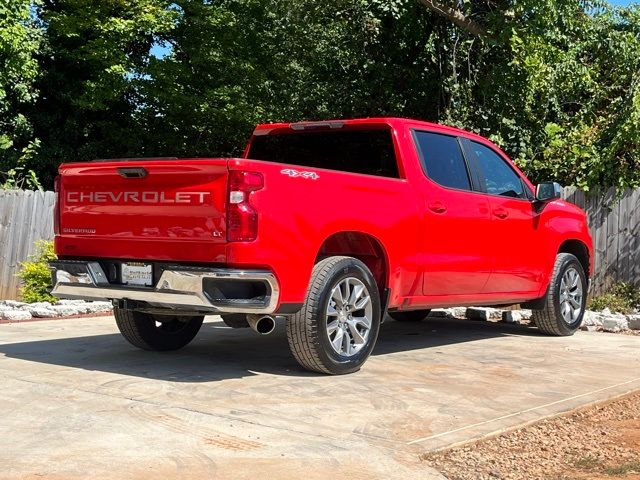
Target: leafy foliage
(19, 42)
(622, 297)
(236, 63)
(20, 176)
(92, 55)
(579, 112)
(35, 274)
(556, 84)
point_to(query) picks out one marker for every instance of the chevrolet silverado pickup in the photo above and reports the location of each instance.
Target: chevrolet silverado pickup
(327, 226)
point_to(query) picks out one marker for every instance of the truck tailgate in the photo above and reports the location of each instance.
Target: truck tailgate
(151, 209)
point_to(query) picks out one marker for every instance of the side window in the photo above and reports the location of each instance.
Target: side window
(442, 160)
(499, 177)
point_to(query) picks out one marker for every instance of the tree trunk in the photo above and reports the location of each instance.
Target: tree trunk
(455, 16)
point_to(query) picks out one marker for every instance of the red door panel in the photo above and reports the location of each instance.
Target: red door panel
(519, 253)
(456, 254)
(456, 259)
(517, 247)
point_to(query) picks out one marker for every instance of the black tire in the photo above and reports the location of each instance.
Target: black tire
(156, 332)
(307, 330)
(235, 320)
(410, 316)
(549, 320)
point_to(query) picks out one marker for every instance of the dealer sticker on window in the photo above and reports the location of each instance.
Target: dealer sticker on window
(137, 274)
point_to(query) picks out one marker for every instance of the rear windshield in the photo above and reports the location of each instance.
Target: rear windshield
(359, 151)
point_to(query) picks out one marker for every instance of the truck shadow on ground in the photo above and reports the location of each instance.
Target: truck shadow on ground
(219, 352)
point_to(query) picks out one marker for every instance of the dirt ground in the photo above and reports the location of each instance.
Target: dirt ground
(595, 443)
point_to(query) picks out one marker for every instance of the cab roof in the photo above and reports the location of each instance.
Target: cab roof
(393, 122)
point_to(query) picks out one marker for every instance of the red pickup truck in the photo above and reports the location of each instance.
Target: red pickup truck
(328, 225)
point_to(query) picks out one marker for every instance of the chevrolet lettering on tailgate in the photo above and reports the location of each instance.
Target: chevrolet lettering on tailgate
(137, 197)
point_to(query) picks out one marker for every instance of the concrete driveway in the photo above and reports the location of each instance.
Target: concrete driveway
(76, 401)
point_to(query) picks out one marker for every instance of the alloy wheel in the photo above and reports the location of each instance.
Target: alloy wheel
(349, 315)
(571, 296)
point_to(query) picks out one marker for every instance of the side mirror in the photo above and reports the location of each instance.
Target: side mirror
(548, 191)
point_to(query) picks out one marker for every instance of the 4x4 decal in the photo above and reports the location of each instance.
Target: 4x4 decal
(295, 173)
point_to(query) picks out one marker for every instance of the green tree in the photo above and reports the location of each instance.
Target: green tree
(556, 84)
(236, 63)
(93, 53)
(203, 98)
(19, 42)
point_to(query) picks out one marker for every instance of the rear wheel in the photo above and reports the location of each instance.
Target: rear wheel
(410, 316)
(566, 298)
(157, 332)
(336, 329)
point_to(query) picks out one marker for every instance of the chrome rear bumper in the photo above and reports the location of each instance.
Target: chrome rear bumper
(192, 288)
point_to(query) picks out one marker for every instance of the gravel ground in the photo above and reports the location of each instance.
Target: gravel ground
(595, 443)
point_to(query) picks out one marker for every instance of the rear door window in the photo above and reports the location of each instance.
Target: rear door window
(442, 159)
(370, 152)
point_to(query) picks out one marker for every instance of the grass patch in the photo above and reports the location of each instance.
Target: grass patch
(630, 467)
(587, 463)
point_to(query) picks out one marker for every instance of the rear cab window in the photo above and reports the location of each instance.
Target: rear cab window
(442, 159)
(363, 150)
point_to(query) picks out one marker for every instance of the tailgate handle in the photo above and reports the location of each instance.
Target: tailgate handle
(132, 172)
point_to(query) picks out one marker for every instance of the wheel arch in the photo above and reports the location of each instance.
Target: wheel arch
(575, 247)
(363, 246)
(578, 249)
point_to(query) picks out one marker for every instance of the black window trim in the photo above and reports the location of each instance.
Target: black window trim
(482, 180)
(470, 156)
(473, 181)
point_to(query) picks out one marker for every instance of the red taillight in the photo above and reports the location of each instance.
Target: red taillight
(56, 206)
(242, 218)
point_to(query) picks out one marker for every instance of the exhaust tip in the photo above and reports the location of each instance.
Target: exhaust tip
(265, 325)
(262, 325)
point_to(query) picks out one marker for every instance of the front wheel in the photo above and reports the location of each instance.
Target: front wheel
(336, 329)
(156, 332)
(566, 298)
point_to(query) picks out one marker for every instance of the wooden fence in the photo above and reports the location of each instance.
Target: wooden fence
(614, 221)
(27, 216)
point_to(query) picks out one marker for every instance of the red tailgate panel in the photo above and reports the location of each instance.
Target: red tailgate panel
(151, 209)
